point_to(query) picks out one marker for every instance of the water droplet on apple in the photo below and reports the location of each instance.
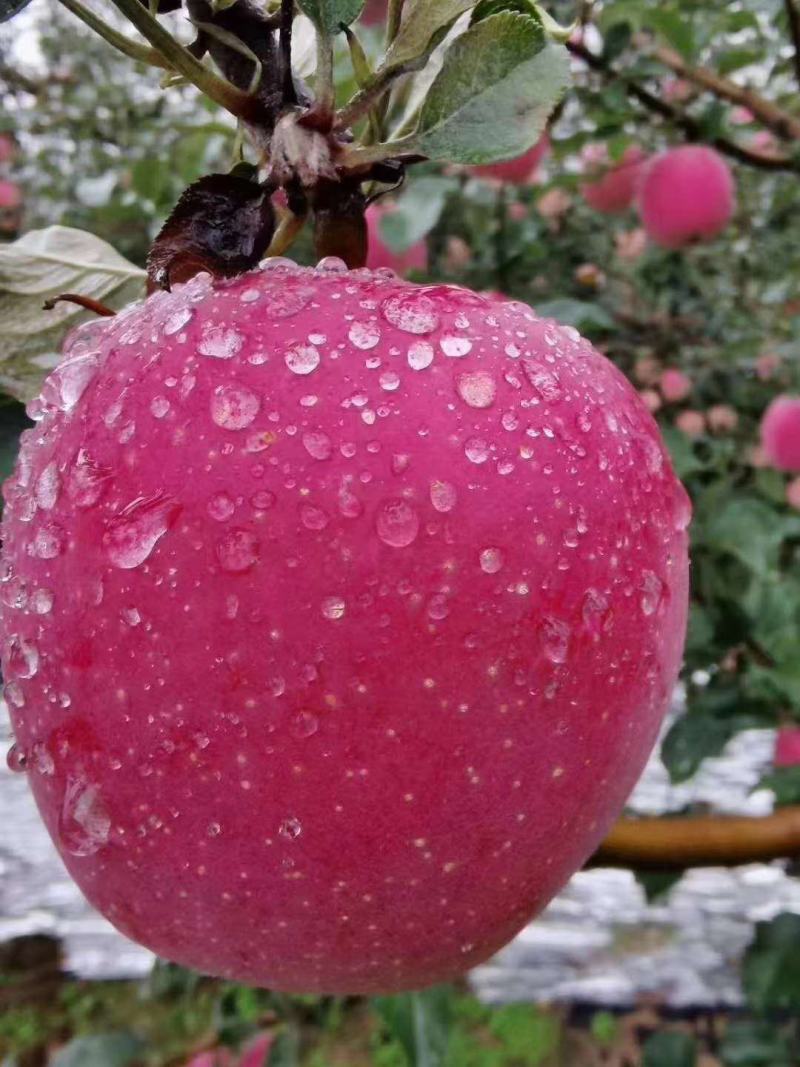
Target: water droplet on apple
(233, 407)
(133, 534)
(397, 523)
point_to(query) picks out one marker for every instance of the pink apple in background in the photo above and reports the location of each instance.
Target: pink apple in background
(692, 423)
(554, 204)
(687, 194)
(256, 1052)
(8, 148)
(652, 399)
(741, 116)
(381, 255)
(374, 12)
(787, 747)
(780, 433)
(764, 141)
(722, 418)
(10, 194)
(290, 545)
(614, 190)
(676, 90)
(675, 385)
(631, 244)
(519, 171)
(220, 1057)
(766, 365)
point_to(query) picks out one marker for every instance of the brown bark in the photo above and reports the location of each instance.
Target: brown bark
(703, 841)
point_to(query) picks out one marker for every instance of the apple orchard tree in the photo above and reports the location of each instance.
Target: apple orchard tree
(331, 600)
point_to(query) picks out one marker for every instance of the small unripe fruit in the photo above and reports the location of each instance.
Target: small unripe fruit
(687, 194)
(615, 190)
(780, 433)
(380, 255)
(10, 194)
(340, 617)
(692, 423)
(519, 171)
(675, 385)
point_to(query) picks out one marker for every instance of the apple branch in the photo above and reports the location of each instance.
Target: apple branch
(705, 841)
(782, 123)
(684, 122)
(793, 18)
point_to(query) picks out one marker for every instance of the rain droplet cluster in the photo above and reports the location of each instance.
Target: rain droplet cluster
(338, 618)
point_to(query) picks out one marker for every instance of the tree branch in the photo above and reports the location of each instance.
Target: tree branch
(15, 79)
(676, 844)
(688, 125)
(770, 115)
(793, 17)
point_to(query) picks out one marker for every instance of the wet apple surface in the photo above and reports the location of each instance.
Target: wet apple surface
(339, 618)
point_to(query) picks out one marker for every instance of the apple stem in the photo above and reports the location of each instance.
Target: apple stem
(86, 302)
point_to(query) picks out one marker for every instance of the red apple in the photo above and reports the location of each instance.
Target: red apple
(687, 194)
(675, 385)
(780, 433)
(615, 189)
(8, 148)
(381, 255)
(10, 195)
(374, 12)
(787, 747)
(340, 618)
(519, 171)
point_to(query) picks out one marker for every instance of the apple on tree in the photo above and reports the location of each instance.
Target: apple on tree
(614, 187)
(687, 194)
(380, 255)
(340, 613)
(522, 169)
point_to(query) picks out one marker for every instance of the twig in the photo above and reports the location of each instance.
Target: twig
(709, 841)
(690, 126)
(86, 302)
(141, 53)
(285, 45)
(793, 17)
(770, 115)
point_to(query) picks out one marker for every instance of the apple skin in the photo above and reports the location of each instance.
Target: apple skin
(338, 699)
(780, 433)
(519, 171)
(615, 190)
(10, 194)
(380, 255)
(687, 194)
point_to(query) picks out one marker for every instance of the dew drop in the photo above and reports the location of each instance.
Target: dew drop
(400, 462)
(594, 612)
(554, 635)
(491, 560)
(420, 355)
(160, 407)
(476, 450)
(290, 829)
(238, 551)
(177, 320)
(13, 693)
(313, 518)
(22, 658)
(318, 445)
(87, 480)
(333, 607)
(130, 616)
(68, 382)
(364, 335)
(443, 496)
(233, 407)
(84, 824)
(48, 485)
(132, 535)
(544, 381)
(16, 760)
(455, 346)
(221, 506)
(438, 607)
(302, 359)
(221, 342)
(48, 542)
(652, 590)
(389, 381)
(42, 601)
(305, 724)
(263, 500)
(477, 389)
(411, 312)
(349, 504)
(397, 523)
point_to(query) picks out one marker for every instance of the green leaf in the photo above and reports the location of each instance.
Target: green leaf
(784, 783)
(771, 969)
(714, 716)
(754, 1043)
(498, 84)
(420, 1022)
(581, 314)
(330, 15)
(485, 8)
(417, 212)
(423, 26)
(749, 530)
(675, 28)
(657, 884)
(669, 1050)
(285, 1050)
(616, 41)
(99, 1050)
(10, 8)
(603, 1027)
(43, 264)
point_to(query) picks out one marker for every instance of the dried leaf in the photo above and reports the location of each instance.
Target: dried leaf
(223, 223)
